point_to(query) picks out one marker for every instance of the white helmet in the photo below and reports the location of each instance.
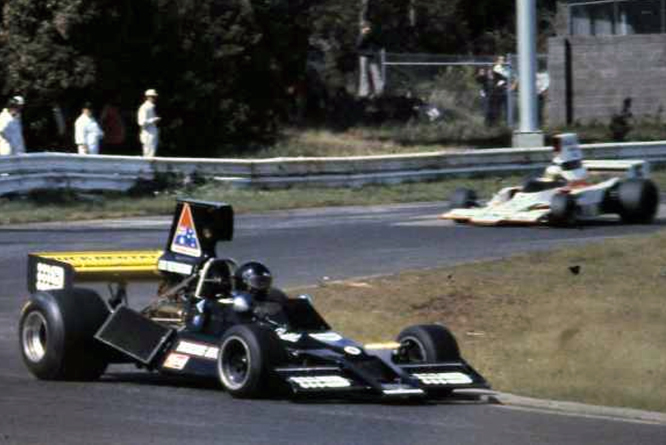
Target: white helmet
(150, 93)
(552, 172)
(576, 174)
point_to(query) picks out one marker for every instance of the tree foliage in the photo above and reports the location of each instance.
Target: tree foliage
(226, 70)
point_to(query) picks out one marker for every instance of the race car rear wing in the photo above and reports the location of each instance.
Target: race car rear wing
(566, 148)
(196, 229)
(59, 270)
(632, 168)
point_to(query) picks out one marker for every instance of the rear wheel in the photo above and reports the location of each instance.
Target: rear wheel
(463, 198)
(638, 201)
(56, 335)
(246, 360)
(427, 344)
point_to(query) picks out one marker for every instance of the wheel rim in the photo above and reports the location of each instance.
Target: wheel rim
(234, 363)
(413, 350)
(35, 336)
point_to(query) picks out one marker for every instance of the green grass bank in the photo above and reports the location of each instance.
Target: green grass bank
(529, 324)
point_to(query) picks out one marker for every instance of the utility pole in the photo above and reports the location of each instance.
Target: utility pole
(528, 133)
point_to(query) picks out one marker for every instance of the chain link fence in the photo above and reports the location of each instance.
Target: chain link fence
(451, 87)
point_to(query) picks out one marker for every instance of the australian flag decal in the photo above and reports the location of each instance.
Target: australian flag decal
(185, 239)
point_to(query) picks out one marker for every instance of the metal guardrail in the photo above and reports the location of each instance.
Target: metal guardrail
(82, 172)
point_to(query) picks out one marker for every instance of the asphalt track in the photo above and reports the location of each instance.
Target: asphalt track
(301, 247)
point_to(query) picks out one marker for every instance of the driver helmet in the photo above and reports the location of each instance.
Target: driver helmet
(575, 174)
(569, 158)
(570, 168)
(553, 173)
(253, 277)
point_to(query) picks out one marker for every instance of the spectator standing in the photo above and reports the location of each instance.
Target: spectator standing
(87, 133)
(542, 85)
(484, 80)
(11, 129)
(501, 78)
(147, 120)
(113, 126)
(371, 82)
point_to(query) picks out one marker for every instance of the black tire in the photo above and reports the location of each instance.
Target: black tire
(428, 343)
(562, 210)
(56, 332)
(638, 201)
(463, 198)
(248, 354)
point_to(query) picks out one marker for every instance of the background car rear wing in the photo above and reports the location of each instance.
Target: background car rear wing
(566, 148)
(59, 270)
(632, 168)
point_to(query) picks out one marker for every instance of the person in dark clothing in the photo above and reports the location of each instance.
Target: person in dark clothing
(484, 80)
(368, 46)
(500, 88)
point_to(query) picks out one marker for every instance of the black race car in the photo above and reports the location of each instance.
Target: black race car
(211, 318)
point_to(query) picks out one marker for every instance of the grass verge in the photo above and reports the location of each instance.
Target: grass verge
(529, 324)
(387, 139)
(56, 206)
(466, 133)
(70, 207)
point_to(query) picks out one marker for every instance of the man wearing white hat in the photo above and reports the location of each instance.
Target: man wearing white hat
(11, 129)
(147, 120)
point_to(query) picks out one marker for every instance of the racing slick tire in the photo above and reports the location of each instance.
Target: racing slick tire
(639, 201)
(56, 334)
(562, 210)
(428, 343)
(248, 354)
(463, 198)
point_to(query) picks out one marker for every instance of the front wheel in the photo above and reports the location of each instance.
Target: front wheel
(56, 335)
(463, 198)
(562, 210)
(246, 360)
(427, 344)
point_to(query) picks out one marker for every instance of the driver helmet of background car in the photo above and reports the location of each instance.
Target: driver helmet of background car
(572, 170)
(553, 173)
(568, 158)
(253, 277)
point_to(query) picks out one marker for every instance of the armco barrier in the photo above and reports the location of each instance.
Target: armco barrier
(59, 170)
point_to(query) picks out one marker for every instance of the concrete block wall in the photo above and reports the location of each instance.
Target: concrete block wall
(591, 76)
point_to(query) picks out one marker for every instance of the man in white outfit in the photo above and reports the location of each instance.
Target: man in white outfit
(11, 130)
(87, 133)
(147, 120)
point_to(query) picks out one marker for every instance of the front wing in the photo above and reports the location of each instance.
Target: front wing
(489, 216)
(379, 378)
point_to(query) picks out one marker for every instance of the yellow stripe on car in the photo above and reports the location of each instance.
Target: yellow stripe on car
(135, 263)
(386, 345)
